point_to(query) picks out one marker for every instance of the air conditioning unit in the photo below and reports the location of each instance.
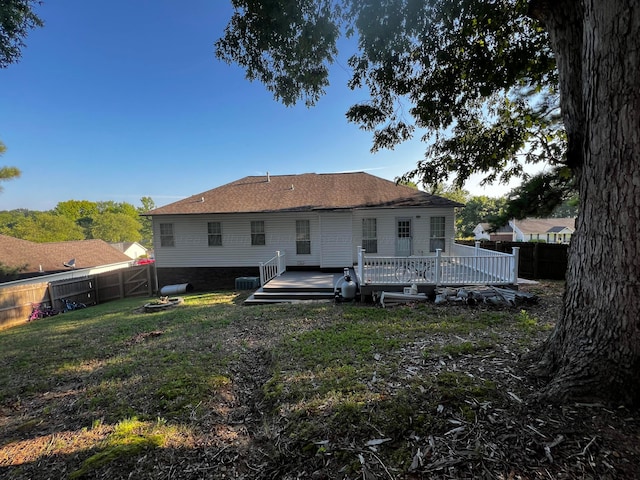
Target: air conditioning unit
(247, 283)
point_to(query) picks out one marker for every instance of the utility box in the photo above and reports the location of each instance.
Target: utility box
(247, 283)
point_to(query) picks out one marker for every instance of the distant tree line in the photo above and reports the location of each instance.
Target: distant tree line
(81, 220)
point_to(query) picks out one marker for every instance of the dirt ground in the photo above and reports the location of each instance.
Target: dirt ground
(516, 439)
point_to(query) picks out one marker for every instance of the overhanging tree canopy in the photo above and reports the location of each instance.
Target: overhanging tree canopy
(16, 19)
(479, 77)
(476, 79)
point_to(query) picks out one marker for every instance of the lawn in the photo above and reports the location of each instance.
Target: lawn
(213, 389)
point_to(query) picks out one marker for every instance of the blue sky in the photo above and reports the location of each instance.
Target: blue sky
(123, 99)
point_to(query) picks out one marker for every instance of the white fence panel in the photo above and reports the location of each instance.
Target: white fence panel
(474, 267)
(272, 268)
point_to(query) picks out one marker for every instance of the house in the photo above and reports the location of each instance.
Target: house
(30, 259)
(132, 250)
(315, 221)
(549, 230)
(502, 234)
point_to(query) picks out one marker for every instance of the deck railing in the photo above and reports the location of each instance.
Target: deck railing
(464, 266)
(458, 249)
(272, 268)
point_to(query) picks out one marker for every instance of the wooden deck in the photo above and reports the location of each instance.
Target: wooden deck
(374, 274)
(462, 266)
(297, 286)
(304, 280)
(423, 274)
(307, 286)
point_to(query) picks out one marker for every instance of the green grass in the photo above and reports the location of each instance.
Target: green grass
(325, 372)
(130, 438)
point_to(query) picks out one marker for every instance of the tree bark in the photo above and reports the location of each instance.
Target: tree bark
(594, 351)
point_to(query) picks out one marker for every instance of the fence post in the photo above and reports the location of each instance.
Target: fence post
(51, 294)
(121, 282)
(438, 265)
(96, 288)
(516, 262)
(536, 259)
(149, 287)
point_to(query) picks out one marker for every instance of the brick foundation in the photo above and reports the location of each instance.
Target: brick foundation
(205, 278)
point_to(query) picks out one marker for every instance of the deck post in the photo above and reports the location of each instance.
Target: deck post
(516, 261)
(477, 254)
(261, 274)
(438, 265)
(279, 263)
(361, 264)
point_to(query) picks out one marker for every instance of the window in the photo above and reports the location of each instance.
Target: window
(436, 239)
(404, 228)
(166, 235)
(257, 233)
(369, 235)
(214, 234)
(303, 237)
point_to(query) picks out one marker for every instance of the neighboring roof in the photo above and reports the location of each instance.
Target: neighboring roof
(121, 246)
(545, 225)
(124, 246)
(15, 252)
(486, 227)
(305, 192)
(560, 229)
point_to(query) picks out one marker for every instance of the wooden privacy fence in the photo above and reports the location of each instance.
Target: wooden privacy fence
(537, 260)
(17, 301)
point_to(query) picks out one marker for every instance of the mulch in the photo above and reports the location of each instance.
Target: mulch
(514, 438)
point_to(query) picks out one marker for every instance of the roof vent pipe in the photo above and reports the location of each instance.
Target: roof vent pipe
(268, 177)
(292, 187)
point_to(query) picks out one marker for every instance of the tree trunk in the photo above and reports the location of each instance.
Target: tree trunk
(594, 351)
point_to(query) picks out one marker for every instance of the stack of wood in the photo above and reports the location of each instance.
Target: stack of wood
(487, 294)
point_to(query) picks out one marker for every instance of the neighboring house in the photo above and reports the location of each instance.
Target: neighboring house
(132, 250)
(32, 259)
(502, 234)
(316, 220)
(549, 230)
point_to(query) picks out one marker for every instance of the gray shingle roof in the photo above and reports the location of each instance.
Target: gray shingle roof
(544, 225)
(305, 192)
(15, 252)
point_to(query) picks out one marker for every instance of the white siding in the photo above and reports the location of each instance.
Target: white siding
(135, 250)
(330, 231)
(192, 250)
(480, 234)
(336, 239)
(386, 225)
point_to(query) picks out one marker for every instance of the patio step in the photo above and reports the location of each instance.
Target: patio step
(297, 286)
(301, 289)
(287, 296)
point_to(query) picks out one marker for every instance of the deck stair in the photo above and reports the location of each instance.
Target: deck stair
(294, 287)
